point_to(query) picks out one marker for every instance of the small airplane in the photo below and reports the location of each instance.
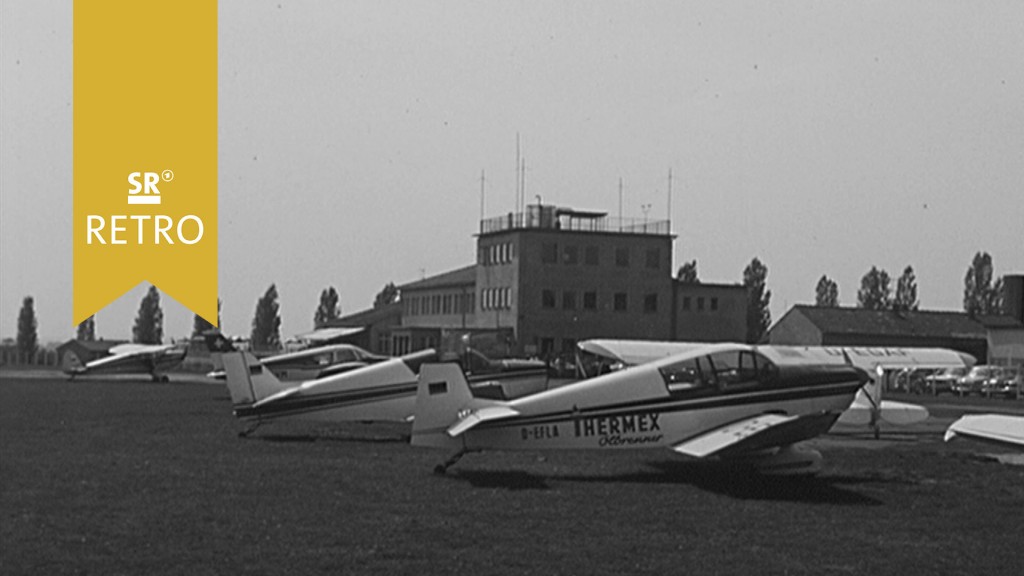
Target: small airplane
(308, 364)
(996, 428)
(733, 402)
(153, 359)
(381, 391)
(867, 408)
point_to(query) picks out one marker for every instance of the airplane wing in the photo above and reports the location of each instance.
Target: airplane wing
(479, 415)
(756, 433)
(899, 413)
(633, 352)
(989, 427)
(130, 358)
(134, 349)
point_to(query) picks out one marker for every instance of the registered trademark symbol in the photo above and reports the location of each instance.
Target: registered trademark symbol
(167, 175)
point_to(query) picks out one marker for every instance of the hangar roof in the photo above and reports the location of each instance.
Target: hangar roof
(457, 277)
(920, 323)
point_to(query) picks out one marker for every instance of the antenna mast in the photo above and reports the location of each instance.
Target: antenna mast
(620, 204)
(518, 187)
(670, 201)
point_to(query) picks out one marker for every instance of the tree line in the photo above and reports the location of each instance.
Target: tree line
(983, 292)
(983, 295)
(148, 327)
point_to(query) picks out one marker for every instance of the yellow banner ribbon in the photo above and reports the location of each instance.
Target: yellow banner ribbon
(145, 152)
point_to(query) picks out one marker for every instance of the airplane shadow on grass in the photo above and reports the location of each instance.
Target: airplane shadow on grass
(712, 477)
(300, 438)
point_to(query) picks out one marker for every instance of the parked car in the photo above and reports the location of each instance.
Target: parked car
(913, 380)
(1008, 383)
(974, 381)
(943, 380)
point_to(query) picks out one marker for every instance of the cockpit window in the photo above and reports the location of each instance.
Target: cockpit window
(345, 355)
(687, 374)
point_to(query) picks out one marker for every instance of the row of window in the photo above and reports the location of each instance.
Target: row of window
(500, 253)
(496, 299)
(501, 299)
(435, 304)
(712, 303)
(570, 255)
(589, 301)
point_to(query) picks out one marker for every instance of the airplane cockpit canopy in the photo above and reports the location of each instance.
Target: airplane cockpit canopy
(726, 370)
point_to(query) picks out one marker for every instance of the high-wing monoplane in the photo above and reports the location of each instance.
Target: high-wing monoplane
(153, 359)
(728, 401)
(867, 408)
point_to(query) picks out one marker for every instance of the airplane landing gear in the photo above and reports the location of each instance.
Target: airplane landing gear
(442, 468)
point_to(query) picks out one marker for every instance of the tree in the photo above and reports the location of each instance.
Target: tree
(87, 330)
(389, 294)
(329, 308)
(266, 324)
(906, 292)
(687, 273)
(981, 295)
(200, 325)
(28, 339)
(759, 317)
(826, 293)
(149, 324)
(875, 292)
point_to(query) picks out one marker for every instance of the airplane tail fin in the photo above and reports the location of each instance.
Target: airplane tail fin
(248, 381)
(71, 363)
(442, 394)
(217, 342)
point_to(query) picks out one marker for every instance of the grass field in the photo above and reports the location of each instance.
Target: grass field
(131, 477)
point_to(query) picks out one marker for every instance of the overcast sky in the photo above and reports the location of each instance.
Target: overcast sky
(820, 137)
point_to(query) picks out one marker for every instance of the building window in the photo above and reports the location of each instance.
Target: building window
(547, 298)
(549, 253)
(620, 301)
(714, 303)
(547, 346)
(590, 256)
(568, 300)
(686, 302)
(653, 258)
(650, 303)
(622, 257)
(572, 255)
(700, 303)
(568, 346)
(590, 300)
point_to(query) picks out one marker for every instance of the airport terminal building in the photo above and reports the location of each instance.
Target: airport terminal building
(549, 277)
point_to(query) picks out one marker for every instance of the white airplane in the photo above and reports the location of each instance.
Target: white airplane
(728, 401)
(997, 428)
(382, 391)
(153, 359)
(867, 408)
(308, 364)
